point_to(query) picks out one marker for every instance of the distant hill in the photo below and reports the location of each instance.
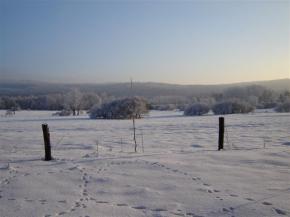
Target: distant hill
(147, 89)
(277, 85)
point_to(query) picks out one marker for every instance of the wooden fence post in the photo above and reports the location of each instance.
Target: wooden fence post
(134, 135)
(221, 132)
(142, 140)
(46, 138)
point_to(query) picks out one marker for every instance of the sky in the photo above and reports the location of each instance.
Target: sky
(182, 42)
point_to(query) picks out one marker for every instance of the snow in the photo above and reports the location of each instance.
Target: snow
(180, 172)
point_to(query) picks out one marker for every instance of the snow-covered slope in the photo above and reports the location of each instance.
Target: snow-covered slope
(179, 173)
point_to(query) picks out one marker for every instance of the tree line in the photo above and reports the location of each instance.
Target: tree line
(74, 101)
(232, 100)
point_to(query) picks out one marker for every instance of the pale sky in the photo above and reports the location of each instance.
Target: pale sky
(183, 42)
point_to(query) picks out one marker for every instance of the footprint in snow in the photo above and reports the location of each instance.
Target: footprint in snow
(233, 195)
(280, 211)
(77, 204)
(267, 203)
(159, 210)
(60, 213)
(42, 201)
(122, 204)
(190, 214)
(29, 200)
(203, 190)
(139, 207)
(177, 214)
(102, 202)
(226, 210)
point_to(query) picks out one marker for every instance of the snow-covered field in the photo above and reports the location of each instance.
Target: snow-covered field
(177, 171)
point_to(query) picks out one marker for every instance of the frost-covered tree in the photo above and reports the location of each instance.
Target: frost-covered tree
(196, 109)
(268, 99)
(73, 101)
(284, 107)
(9, 102)
(257, 96)
(1, 103)
(90, 99)
(284, 97)
(253, 100)
(54, 101)
(232, 107)
(121, 109)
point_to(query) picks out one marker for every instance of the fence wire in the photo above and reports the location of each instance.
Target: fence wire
(154, 135)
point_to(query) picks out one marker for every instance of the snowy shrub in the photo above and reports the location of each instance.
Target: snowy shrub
(284, 107)
(196, 109)
(232, 107)
(121, 109)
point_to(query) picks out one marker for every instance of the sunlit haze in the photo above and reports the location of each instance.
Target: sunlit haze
(182, 42)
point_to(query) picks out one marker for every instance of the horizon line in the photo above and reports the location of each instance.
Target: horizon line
(144, 82)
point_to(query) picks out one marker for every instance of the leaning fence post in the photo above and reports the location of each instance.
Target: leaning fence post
(46, 138)
(221, 132)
